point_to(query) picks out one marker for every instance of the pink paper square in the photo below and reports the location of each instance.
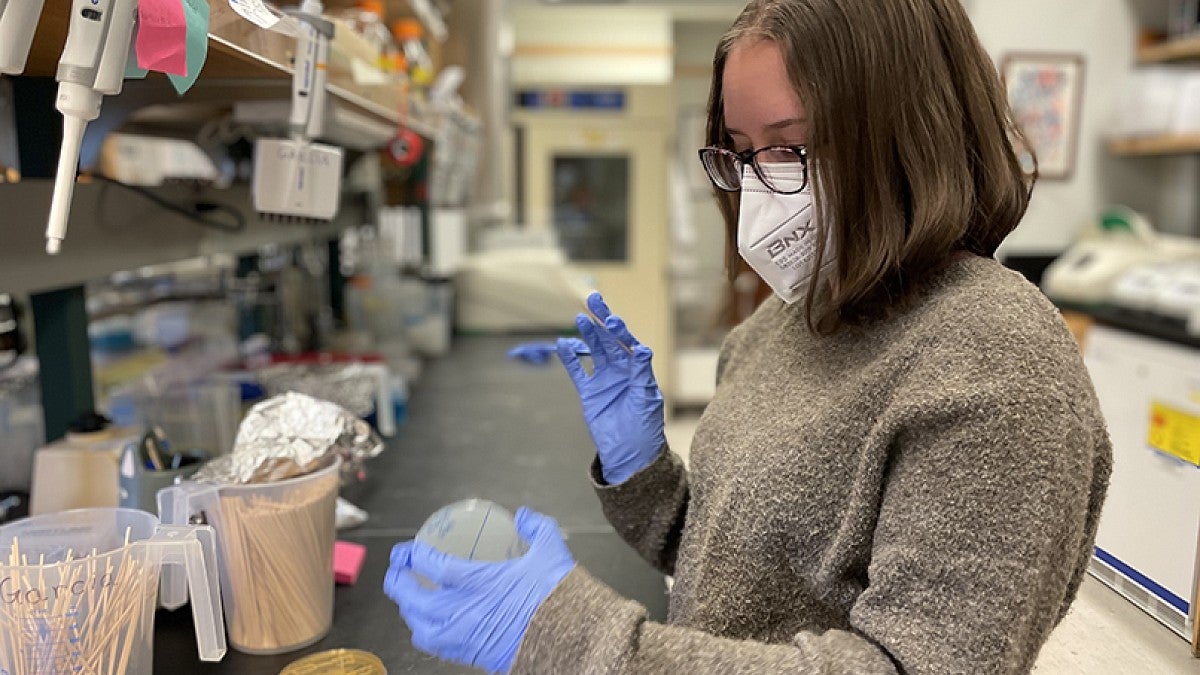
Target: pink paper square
(162, 36)
(348, 560)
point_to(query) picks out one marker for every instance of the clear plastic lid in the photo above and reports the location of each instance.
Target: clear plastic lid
(474, 529)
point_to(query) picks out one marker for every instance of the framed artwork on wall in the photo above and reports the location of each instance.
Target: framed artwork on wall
(1045, 91)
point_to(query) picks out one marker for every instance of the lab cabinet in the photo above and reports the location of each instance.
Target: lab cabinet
(1146, 546)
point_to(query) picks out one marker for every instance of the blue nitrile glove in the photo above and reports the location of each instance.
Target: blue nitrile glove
(538, 352)
(621, 401)
(477, 612)
(532, 352)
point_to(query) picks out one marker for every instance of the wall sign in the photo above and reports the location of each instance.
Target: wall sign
(571, 99)
(1046, 92)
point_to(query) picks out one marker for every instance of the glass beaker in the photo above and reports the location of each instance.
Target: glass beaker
(275, 545)
(78, 591)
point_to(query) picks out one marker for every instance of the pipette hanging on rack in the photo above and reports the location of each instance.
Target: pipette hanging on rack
(295, 178)
(92, 66)
(18, 22)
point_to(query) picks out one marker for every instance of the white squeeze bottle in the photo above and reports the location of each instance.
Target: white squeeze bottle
(474, 529)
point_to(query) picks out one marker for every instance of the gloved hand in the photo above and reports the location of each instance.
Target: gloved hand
(478, 612)
(621, 401)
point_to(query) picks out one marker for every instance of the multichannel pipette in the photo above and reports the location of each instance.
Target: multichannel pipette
(92, 66)
(295, 178)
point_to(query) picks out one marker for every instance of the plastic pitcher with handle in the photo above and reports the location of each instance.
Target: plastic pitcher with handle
(275, 546)
(78, 591)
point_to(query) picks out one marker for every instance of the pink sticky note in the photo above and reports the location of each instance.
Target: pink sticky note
(347, 561)
(162, 36)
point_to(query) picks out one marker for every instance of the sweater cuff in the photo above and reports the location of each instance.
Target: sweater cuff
(648, 509)
(581, 627)
(664, 469)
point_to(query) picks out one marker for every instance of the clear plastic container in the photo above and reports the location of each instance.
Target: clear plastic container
(20, 422)
(410, 34)
(195, 416)
(366, 20)
(474, 529)
(276, 555)
(78, 589)
(20, 434)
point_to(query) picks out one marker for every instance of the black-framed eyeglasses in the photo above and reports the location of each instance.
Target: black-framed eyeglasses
(782, 168)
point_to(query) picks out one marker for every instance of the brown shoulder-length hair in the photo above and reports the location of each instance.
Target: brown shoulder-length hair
(911, 142)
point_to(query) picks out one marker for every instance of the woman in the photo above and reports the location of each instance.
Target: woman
(903, 465)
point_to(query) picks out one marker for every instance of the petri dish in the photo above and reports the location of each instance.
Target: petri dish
(337, 662)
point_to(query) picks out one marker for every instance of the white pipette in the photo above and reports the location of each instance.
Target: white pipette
(92, 65)
(307, 119)
(18, 22)
(296, 178)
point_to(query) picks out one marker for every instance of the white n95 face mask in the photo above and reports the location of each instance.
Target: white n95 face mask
(777, 234)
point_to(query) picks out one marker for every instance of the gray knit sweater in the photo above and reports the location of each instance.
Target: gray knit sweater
(918, 496)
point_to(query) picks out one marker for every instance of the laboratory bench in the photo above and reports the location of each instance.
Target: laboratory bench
(1168, 329)
(478, 425)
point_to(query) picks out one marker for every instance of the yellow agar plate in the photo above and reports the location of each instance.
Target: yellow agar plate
(337, 662)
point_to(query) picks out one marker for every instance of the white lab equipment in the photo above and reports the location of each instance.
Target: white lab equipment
(78, 471)
(1138, 288)
(92, 65)
(18, 22)
(1120, 240)
(1180, 295)
(474, 529)
(1170, 291)
(296, 178)
(1146, 544)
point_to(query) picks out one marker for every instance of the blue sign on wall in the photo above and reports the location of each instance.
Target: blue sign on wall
(565, 98)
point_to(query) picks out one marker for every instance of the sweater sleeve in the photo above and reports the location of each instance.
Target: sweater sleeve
(982, 526)
(649, 509)
(986, 519)
(586, 628)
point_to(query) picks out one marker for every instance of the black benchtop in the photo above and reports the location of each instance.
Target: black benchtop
(1150, 324)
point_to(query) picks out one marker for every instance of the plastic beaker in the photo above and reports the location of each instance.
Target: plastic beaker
(194, 416)
(78, 590)
(275, 545)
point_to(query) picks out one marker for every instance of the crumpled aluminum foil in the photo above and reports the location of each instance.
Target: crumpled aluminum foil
(291, 435)
(354, 386)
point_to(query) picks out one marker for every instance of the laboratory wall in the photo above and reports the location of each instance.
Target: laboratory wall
(1104, 33)
(561, 45)
(697, 256)
(483, 49)
(700, 233)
